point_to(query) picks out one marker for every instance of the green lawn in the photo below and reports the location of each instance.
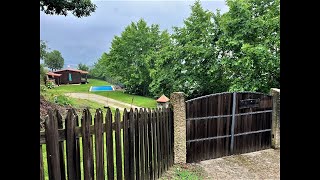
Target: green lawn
(117, 95)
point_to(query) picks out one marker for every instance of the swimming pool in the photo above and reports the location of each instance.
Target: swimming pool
(101, 88)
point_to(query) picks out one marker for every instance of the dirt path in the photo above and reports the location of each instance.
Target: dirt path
(102, 100)
(263, 164)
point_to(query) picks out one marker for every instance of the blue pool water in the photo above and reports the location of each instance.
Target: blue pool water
(101, 88)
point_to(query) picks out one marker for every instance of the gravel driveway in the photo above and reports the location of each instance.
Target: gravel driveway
(263, 164)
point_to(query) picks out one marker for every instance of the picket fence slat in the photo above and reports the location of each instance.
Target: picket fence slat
(99, 148)
(118, 146)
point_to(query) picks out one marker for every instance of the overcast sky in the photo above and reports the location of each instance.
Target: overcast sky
(83, 40)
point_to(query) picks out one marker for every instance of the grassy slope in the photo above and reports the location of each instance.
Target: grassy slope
(117, 95)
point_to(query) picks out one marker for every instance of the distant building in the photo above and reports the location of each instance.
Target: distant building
(68, 76)
(163, 102)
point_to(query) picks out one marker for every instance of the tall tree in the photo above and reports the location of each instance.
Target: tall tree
(83, 67)
(197, 52)
(79, 8)
(132, 56)
(250, 44)
(167, 70)
(54, 60)
(43, 49)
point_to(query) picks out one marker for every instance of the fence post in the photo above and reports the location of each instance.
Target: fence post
(177, 100)
(275, 136)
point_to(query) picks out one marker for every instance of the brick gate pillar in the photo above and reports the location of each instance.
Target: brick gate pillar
(177, 100)
(275, 136)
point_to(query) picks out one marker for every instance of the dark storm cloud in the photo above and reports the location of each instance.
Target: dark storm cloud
(85, 39)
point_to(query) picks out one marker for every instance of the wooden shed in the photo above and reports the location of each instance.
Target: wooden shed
(53, 77)
(72, 76)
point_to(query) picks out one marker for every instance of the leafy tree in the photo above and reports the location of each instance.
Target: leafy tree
(54, 60)
(235, 51)
(167, 70)
(83, 67)
(132, 56)
(197, 53)
(79, 8)
(42, 74)
(250, 44)
(43, 49)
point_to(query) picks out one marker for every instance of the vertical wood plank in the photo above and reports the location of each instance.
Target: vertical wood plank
(77, 153)
(61, 147)
(206, 128)
(154, 134)
(118, 145)
(99, 144)
(167, 137)
(164, 119)
(41, 164)
(52, 145)
(192, 132)
(109, 141)
(86, 120)
(162, 141)
(158, 142)
(228, 126)
(126, 144)
(141, 139)
(210, 126)
(137, 143)
(150, 142)
(132, 145)
(70, 124)
(146, 144)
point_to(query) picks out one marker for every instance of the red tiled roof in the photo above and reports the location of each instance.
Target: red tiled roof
(53, 74)
(75, 70)
(163, 99)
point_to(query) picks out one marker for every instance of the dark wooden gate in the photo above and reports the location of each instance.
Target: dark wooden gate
(227, 123)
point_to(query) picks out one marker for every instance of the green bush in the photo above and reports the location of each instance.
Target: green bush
(62, 100)
(43, 88)
(50, 85)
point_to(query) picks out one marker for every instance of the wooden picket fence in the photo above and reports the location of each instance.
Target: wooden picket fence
(143, 143)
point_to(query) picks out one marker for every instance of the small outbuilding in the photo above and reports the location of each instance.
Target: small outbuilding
(163, 102)
(53, 77)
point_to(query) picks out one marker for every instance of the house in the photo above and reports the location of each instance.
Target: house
(70, 76)
(163, 102)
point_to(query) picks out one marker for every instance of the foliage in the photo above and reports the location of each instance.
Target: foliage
(250, 44)
(50, 85)
(43, 49)
(83, 67)
(42, 88)
(62, 100)
(79, 8)
(197, 55)
(42, 74)
(132, 56)
(212, 52)
(54, 60)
